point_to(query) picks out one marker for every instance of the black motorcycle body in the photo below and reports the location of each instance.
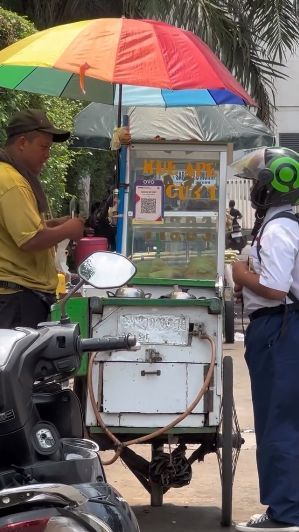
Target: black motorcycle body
(41, 437)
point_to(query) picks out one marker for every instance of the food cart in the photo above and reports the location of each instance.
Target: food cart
(178, 388)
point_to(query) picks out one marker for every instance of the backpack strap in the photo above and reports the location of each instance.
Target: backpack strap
(283, 214)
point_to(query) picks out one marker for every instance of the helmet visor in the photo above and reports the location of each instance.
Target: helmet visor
(250, 164)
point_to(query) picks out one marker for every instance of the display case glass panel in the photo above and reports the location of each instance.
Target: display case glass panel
(172, 217)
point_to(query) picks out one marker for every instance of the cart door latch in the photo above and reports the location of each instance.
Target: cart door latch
(152, 355)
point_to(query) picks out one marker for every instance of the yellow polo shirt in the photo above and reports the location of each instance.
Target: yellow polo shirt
(20, 220)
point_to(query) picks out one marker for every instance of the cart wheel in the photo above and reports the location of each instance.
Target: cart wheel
(156, 494)
(229, 322)
(228, 441)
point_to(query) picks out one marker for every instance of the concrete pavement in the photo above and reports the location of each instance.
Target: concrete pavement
(196, 507)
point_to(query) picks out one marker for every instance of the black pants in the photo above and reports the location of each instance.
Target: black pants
(273, 360)
(22, 309)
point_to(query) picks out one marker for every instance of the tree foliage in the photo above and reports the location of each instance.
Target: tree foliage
(12, 28)
(251, 37)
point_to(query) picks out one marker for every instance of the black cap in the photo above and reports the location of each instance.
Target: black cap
(34, 120)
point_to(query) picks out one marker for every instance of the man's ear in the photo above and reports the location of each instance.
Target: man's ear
(20, 142)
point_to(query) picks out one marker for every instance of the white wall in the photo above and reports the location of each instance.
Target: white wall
(287, 98)
(286, 121)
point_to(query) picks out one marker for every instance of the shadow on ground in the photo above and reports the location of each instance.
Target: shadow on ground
(173, 517)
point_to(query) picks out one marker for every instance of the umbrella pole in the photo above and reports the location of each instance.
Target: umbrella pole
(121, 177)
(117, 177)
(120, 91)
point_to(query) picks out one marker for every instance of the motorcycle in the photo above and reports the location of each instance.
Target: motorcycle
(235, 238)
(51, 478)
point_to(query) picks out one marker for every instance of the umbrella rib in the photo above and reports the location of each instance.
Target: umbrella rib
(165, 68)
(209, 91)
(31, 72)
(67, 83)
(164, 99)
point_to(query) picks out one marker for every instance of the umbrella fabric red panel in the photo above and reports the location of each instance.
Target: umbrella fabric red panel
(145, 53)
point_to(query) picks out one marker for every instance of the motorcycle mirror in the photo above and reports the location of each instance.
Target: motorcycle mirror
(104, 269)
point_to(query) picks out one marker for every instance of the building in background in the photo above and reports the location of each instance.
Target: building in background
(287, 103)
(286, 132)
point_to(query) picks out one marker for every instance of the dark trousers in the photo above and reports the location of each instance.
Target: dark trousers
(272, 356)
(22, 309)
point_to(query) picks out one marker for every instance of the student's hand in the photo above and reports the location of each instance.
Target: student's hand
(239, 268)
(238, 293)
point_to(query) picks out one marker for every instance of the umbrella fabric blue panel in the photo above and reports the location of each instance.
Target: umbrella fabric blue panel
(153, 97)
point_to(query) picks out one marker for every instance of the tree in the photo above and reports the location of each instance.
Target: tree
(48, 13)
(251, 37)
(61, 112)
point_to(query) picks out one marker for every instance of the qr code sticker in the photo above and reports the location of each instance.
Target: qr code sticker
(148, 205)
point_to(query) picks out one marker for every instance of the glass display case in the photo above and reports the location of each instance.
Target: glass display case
(173, 211)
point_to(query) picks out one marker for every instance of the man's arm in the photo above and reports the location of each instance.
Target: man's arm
(50, 236)
(243, 277)
(53, 222)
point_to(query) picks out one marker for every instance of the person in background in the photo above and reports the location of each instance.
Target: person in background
(28, 277)
(269, 284)
(99, 221)
(235, 214)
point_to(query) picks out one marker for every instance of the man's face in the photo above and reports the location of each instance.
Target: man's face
(34, 150)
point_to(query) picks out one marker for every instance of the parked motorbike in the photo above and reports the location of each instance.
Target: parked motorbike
(51, 478)
(235, 239)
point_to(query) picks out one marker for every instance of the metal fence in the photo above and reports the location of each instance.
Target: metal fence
(239, 190)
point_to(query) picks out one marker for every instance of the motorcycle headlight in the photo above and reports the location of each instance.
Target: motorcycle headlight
(97, 523)
(54, 524)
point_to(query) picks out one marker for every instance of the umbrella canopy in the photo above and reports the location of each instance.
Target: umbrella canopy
(102, 52)
(94, 126)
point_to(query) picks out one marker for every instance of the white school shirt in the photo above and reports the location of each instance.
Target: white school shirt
(279, 266)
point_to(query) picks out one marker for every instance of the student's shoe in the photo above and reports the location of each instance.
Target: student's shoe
(261, 522)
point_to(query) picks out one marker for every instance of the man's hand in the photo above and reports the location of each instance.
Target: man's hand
(74, 228)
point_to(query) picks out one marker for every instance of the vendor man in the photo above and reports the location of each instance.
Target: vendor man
(28, 276)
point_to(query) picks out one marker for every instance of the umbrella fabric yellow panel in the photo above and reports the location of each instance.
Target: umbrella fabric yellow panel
(44, 47)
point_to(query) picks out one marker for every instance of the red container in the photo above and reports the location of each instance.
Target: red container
(88, 245)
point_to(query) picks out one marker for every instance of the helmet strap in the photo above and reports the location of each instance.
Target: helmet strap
(259, 218)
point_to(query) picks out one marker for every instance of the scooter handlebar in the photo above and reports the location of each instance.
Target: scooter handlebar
(109, 343)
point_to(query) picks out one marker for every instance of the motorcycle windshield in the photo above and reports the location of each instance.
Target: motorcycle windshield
(8, 340)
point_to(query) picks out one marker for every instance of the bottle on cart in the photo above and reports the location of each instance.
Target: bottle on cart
(115, 202)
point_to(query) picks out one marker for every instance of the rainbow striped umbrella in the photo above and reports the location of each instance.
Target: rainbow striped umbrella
(154, 63)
